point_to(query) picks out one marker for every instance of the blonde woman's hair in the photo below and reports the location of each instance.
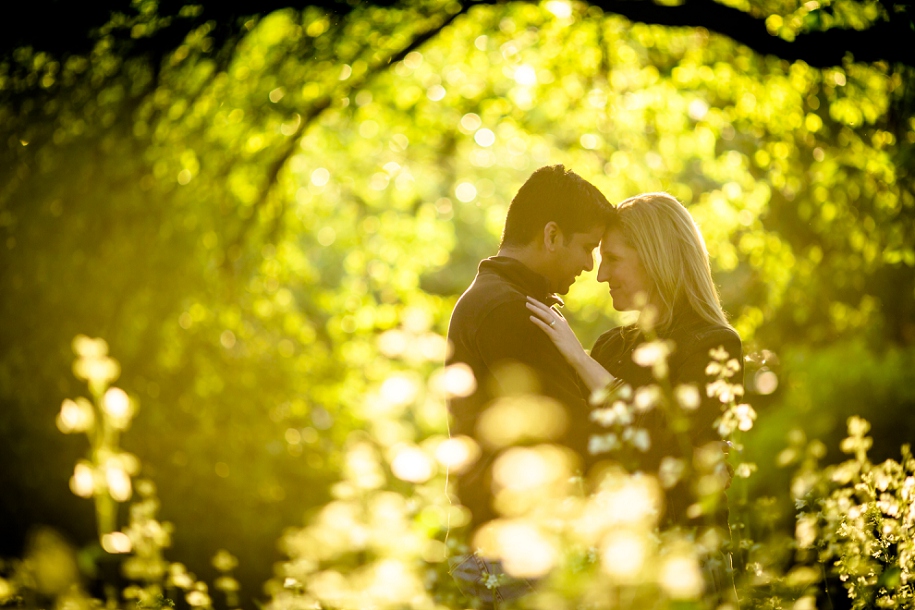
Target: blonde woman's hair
(673, 253)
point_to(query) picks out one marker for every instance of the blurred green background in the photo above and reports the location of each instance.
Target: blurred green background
(241, 199)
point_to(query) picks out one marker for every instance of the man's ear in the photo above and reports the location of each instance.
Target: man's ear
(552, 236)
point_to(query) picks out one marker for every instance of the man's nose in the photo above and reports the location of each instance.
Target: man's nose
(589, 263)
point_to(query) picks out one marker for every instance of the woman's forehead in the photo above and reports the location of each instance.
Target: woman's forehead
(613, 239)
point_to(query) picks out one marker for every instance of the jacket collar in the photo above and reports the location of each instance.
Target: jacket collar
(528, 281)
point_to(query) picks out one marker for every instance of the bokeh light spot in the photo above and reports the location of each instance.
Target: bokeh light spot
(457, 453)
(484, 137)
(454, 380)
(116, 543)
(525, 552)
(559, 8)
(413, 465)
(470, 122)
(327, 236)
(320, 177)
(227, 339)
(75, 416)
(465, 192)
(766, 381)
(525, 417)
(681, 576)
(623, 554)
(116, 402)
(525, 76)
(589, 141)
(82, 483)
(399, 390)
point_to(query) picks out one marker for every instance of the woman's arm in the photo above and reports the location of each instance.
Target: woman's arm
(560, 333)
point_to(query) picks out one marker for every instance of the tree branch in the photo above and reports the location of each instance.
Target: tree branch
(321, 105)
(818, 49)
(67, 31)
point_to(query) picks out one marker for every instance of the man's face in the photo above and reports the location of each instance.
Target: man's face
(570, 259)
(622, 270)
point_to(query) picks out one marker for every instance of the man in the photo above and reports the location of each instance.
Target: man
(553, 226)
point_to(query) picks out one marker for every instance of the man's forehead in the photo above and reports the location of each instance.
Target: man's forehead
(592, 236)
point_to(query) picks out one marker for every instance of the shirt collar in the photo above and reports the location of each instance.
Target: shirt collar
(528, 281)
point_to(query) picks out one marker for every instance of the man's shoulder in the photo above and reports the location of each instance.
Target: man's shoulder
(487, 293)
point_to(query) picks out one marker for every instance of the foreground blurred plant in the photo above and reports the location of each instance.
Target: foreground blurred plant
(386, 538)
(382, 542)
(106, 475)
(603, 542)
(859, 518)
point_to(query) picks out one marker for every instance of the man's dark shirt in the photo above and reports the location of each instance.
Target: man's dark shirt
(490, 327)
(693, 338)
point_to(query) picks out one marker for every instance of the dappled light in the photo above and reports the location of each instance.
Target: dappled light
(232, 237)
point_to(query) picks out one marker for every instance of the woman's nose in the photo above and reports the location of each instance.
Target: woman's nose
(603, 274)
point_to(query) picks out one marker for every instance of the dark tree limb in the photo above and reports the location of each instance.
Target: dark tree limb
(62, 27)
(888, 41)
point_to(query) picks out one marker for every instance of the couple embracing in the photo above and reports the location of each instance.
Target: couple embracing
(653, 259)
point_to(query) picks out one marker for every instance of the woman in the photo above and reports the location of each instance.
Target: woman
(654, 259)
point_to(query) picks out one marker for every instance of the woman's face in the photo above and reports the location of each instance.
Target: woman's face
(621, 268)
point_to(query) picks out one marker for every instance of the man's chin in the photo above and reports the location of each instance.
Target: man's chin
(564, 289)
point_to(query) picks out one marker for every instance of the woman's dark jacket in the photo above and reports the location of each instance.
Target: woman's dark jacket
(693, 338)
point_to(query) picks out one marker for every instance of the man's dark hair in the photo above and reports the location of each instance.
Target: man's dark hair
(558, 194)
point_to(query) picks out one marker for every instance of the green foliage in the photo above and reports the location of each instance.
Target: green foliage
(246, 217)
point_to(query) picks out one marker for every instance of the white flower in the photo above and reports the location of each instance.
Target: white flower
(653, 354)
(647, 354)
(598, 396)
(746, 415)
(739, 417)
(638, 438)
(618, 413)
(805, 532)
(687, 396)
(646, 397)
(670, 471)
(724, 391)
(719, 353)
(744, 470)
(602, 443)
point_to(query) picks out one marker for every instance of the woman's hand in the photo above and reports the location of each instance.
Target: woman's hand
(562, 336)
(557, 329)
